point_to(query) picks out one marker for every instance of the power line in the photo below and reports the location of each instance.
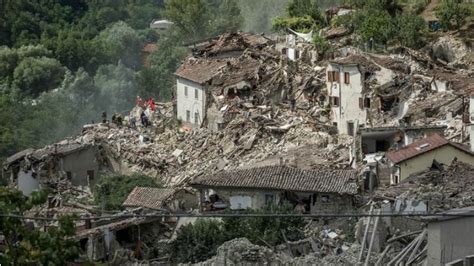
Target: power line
(248, 215)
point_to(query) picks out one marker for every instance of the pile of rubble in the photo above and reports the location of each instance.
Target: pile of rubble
(445, 189)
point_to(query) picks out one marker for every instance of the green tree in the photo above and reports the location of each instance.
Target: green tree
(375, 24)
(117, 88)
(226, 16)
(24, 246)
(410, 30)
(35, 75)
(158, 80)
(121, 42)
(198, 242)
(111, 190)
(450, 11)
(301, 8)
(191, 17)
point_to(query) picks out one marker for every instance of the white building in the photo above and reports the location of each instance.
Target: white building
(346, 90)
(193, 78)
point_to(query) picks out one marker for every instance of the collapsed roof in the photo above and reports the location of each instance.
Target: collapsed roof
(283, 178)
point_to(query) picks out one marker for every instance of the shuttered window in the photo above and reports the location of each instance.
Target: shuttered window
(346, 78)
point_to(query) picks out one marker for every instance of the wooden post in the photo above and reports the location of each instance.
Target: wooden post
(362, 245)
(374, 232)
(420, 240)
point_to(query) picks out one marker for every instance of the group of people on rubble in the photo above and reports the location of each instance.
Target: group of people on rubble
(146, 109)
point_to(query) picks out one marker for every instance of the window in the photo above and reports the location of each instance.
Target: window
(350, 128)
(90, 174)
(297, 54)
(335, 101)
(364, 103)
(367, 102)
(69, 175)
(333, 76)
(186, 91)
(325, 199)
(196, 118)
(188, 116)
(346, 78)
(269, 199)
(196, 94)
(284, 51)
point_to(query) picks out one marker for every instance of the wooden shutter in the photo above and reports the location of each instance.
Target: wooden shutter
(330, 76)
(336, 74)
(346, 78)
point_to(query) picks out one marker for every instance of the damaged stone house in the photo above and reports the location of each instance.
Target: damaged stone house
(309, 191)
(175, 200)
(195, 77)
(347, 85)
(31, 169)
(422, 154)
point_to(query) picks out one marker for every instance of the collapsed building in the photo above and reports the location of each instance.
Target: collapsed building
(261, 125)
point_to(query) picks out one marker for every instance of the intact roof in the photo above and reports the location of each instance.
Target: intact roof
(149, 197)
(422, 146)
(357, 60)
(200, 70)
(283, 178)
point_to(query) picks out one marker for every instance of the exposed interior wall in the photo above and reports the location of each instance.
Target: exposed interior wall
(83, 167)
(349, 109)
(444, 155)
(189, 102)
(26, 183)
(450, 240)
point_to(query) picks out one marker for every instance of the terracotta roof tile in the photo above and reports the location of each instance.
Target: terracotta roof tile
(284, 178)
(200, 70)
(417, 148)
(148, 197)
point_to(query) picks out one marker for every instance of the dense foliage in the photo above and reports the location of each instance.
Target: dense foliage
(24, 246)
(111, 190)
(199, 241)
(62, 62)
(301, 15)
(452, 14)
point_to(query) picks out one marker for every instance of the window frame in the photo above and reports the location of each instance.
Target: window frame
(185, 91)
(188, 116)
(347, 78)
(196, 94)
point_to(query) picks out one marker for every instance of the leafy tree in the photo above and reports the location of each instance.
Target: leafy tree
(198, 242)
(302, 8)
(300, 24)
(111, 190)
(226, 16)
(121, 42)
(410, 30)
(24, 246)
(190, 16)
(117, 88)
(158, 80)
(452, 10)
(375, 24)
(33, 76)
(321, 44)
(265, 230)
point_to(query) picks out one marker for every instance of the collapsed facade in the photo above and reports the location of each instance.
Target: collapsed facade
(336, 128)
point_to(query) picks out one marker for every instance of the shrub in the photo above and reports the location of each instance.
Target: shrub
(112, 190)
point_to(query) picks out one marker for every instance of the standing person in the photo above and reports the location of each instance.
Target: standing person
(144, 119)
(139, 101)
(133, 122)
(104, 117)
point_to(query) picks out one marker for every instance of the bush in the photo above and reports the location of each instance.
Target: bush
(300, 24)
(199, 241)
(321, 44)
(410, 30)
(452, 11)
(112, 190)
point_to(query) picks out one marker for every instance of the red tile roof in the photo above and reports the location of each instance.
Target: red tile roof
(149, 197)
(425, 145)
(200, 70)
(283, 178)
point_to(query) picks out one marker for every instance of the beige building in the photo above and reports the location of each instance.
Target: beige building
(421, 154)
(309, 191)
